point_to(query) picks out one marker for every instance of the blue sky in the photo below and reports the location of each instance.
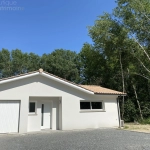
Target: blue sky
(41, 26)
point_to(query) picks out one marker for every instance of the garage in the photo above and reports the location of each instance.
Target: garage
(9, 116)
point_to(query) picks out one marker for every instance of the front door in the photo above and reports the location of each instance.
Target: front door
(45, 115)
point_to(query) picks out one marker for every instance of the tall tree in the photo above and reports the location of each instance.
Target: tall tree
(19, 61)
(93, 65)
(5, 64)
(135, 17)
(123, 39)
(62, 63)
(33, 62)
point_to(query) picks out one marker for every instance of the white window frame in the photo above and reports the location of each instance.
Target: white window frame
(32, 113)
(92, 110)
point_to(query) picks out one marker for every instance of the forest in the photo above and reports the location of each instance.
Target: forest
(118, 58)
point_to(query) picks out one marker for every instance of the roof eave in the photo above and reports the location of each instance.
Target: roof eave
(18, 78)
(119, 94)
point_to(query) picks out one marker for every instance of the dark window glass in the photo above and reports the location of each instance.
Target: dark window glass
(32, 107)
(42, 115)
(96, 105)
(85, 105)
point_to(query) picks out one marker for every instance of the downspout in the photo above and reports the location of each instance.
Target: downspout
(119, 112)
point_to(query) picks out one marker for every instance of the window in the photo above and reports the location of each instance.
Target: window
(91, 105)
(96, 105)
(85, 105)
(42, 113)
(32, 107)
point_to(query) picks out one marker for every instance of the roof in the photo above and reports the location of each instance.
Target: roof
(101, 90)
(91, 89)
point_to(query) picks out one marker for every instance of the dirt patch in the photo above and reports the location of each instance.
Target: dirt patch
(137, 127)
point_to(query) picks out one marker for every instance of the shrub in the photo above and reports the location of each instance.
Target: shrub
(130, 111)
(144, 121)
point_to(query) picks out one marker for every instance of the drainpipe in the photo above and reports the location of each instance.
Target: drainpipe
(119, 112)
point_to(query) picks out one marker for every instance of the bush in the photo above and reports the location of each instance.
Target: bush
(130, 111)
(144, 121)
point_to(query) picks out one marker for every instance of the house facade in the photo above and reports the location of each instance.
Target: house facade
(39, 100)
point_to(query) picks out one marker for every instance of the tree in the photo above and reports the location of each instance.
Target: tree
(135, 17)
(5, 64)
(19, 61)
(62, 63)
(123, 40)
(93, 65)
(111, 39)
(33, 62)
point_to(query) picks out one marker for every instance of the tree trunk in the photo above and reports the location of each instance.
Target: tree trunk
(123, 87)
(141, 115)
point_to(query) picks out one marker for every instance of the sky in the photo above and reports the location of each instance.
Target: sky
(41, 26)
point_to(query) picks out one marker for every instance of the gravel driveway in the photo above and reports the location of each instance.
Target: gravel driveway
(96, 139)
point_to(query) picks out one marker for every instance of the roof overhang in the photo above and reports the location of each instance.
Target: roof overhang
(117, 94)
(18, 78)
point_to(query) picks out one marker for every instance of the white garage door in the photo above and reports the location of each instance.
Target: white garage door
(9, 116)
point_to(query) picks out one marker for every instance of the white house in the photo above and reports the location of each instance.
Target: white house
(39, 100)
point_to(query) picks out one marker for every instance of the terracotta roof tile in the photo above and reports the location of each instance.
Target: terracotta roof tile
(101, 90)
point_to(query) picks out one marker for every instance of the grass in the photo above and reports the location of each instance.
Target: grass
(126, 127)
(137, 127)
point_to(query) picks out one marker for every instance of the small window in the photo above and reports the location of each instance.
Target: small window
(85, 105)
(96, 105)
(91, 105)
(32, 107)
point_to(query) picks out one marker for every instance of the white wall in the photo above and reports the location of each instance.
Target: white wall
(74, 118)
(70, 116)
(34, 120)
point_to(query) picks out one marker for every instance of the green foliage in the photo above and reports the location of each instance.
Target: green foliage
(5, 63)
(126, 127)
(144, 121)
(93, 65)
(33, 62)
(63, 63)
(130, 111)
(19, 61)
(16, 62)
(122, 38)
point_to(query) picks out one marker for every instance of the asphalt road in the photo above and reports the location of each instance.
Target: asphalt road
(96, 139)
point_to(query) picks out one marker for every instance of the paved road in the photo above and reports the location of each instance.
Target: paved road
(97, 139)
